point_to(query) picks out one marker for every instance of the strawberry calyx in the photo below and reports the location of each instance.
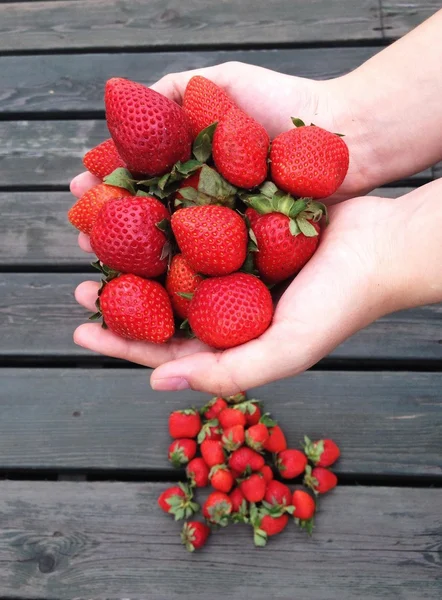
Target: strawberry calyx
(313, 450)
(178, 457)
(307, 524)
(107, 275)
(202, 146)
(310, 481)
(122, 178)
(259, 535)
(187, 330)
(242, 515)
(300, 123)
(236, 398)
(206, 430)
(248, 406)
(276, 510)
(212, 189)
(183, 507)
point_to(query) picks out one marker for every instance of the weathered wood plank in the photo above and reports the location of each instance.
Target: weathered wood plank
(61, 83)
(177, 23)
(50, 152)
(64, 540)
(399, 17)
(85, 419)
(29, 300)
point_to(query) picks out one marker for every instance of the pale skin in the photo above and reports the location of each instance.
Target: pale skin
(377, 256)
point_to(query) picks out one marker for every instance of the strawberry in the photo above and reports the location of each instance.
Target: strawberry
(239, 503)
(240, 148)
(213, 239)
(217, 508)
(320, 480)
(184, 423)
(221, 478)
(233, 437)
(84, 212)
(198, 472)
(252, 215)
(204, 103)
(237, 398)
(278, 494)
(308, 161)
(128, 236)
(266, 523)
(232, 310)
(181, 278)
(213, 408)
(254, 488)
(210, 431)
(194, 535)
(177, 501)
(276, 442)
(181, 451)
(322, 453)
(256, 436)
(252, 411)
(273, 525)
(231, 416)
(267, 473)
(150, 131)
(245, 458)
(291, 463)
(103, 159)
(137, 309)
(213, 453)
(304, 505)
(191, 182)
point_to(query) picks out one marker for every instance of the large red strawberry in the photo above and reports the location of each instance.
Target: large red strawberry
(221, 478)
(232, 310)
(304, 505)
(267, 473)
(103, 159)
(309, 161)
(137, 309)
(210, 431)
(256, 436)
(240, 149)
(181, 451)
(273, 525)
(177, 501)
(266, 523)
(194, 535)
(198, 472)
(84, 212)
(150, 131)
(204, 103)
(276, 442)
(233, 438)
(231, 416)
(213, 453)
(213, 239)
(322, 453)
(278, 493)
(181, 278)
(254, 488)
(291, 463)
(128, 235)
(320, 480)
(217, 508)
(184, 423)
(245, 458)
(252, 411)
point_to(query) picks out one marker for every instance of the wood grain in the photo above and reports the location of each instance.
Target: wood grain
(34, 26)
(109, 540)
(85, 419)
(399, 17)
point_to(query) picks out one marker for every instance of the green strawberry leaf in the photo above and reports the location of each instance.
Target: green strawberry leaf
(142, 193)
(122, 178)
(202, 146)
(294, 229)
(297, 207)
(282, 203)
(267, 421)
(298, 122)
(96, 316)
(259, 538)
(186, 295)
(268, 189)
(212, 184)
(306, 227)
(187, 168)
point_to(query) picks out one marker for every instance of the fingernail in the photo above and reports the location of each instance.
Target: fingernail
(170, 384)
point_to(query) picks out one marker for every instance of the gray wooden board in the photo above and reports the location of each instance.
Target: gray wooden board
(85, 419)
(399, 17)
(110, 540)
(49, 153)
(75, 82)
(38, 315)
(35, 232)
(177, 23)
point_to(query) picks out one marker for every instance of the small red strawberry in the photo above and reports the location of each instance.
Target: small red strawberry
(267, 473)
(305, 508)
(276, 442)
(194, 535)
(177, 501)
(204, 103)
(232, 310)
(320, 480)
(221, 478)
(184, 423)
(240, 149)
(198, 472)
(137, 309)
(230, 417)
(254, 488)
(181, 278)
(309, 161)
(278, 494)
(256, 436)
(239, 505)
(213, 408)
(84, 212)
(266, 523)
(213, 239)
(212, 452)
(150, 131)
(210, 431)
(103, 159)
(244, 458)
(217, 508)
(322, 453)
(252, 411)
(291, 463)
(181, 451)
(233, 437)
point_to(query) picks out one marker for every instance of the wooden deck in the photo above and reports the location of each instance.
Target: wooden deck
(83, 438)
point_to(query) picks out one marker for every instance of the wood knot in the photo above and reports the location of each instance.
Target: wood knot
(46, 563)
(168, 15)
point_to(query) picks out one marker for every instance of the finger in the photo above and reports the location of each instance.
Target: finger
(82, 183)
(93, 337)
(86, 294)
(84, 242)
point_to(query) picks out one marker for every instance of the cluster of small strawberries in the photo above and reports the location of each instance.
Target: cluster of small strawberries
(239, 449)
(199, 213)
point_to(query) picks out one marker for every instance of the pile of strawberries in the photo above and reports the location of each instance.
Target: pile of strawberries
(231, 445)
(199, 213)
